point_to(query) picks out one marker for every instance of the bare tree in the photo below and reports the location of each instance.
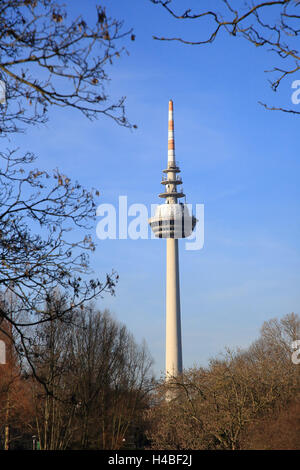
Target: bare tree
(113, 379)
(215, 406)
(37, 251)
(97, 378)
(48, 58)
(274, 25)
(279, 431)
(54, 408)
(15, 400)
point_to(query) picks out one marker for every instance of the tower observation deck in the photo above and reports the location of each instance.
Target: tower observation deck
(172, 221)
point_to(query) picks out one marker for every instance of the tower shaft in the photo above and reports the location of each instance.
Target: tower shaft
(173, 321)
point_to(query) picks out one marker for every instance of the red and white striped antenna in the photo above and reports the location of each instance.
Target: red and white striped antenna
(171, 141)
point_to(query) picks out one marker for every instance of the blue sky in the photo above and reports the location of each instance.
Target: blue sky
(237, 159)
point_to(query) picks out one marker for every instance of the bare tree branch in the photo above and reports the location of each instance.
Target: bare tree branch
(47, 58)
(271, 24)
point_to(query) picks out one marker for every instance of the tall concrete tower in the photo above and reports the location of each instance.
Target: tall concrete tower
(172, 221)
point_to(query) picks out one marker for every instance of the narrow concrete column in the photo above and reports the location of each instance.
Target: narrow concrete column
(173, 323)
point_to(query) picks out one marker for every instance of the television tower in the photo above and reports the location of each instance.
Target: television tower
(172, 221)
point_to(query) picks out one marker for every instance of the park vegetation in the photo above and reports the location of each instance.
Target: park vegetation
(86, 388)
(95, 390)
(73, 376)
(244, 399)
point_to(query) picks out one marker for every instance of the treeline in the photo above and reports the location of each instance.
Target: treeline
(85, 385)
(247, 399)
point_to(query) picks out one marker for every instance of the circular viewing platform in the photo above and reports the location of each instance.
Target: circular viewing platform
(173, 169)
(172, 221)
(176, 181)
(171, 194)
